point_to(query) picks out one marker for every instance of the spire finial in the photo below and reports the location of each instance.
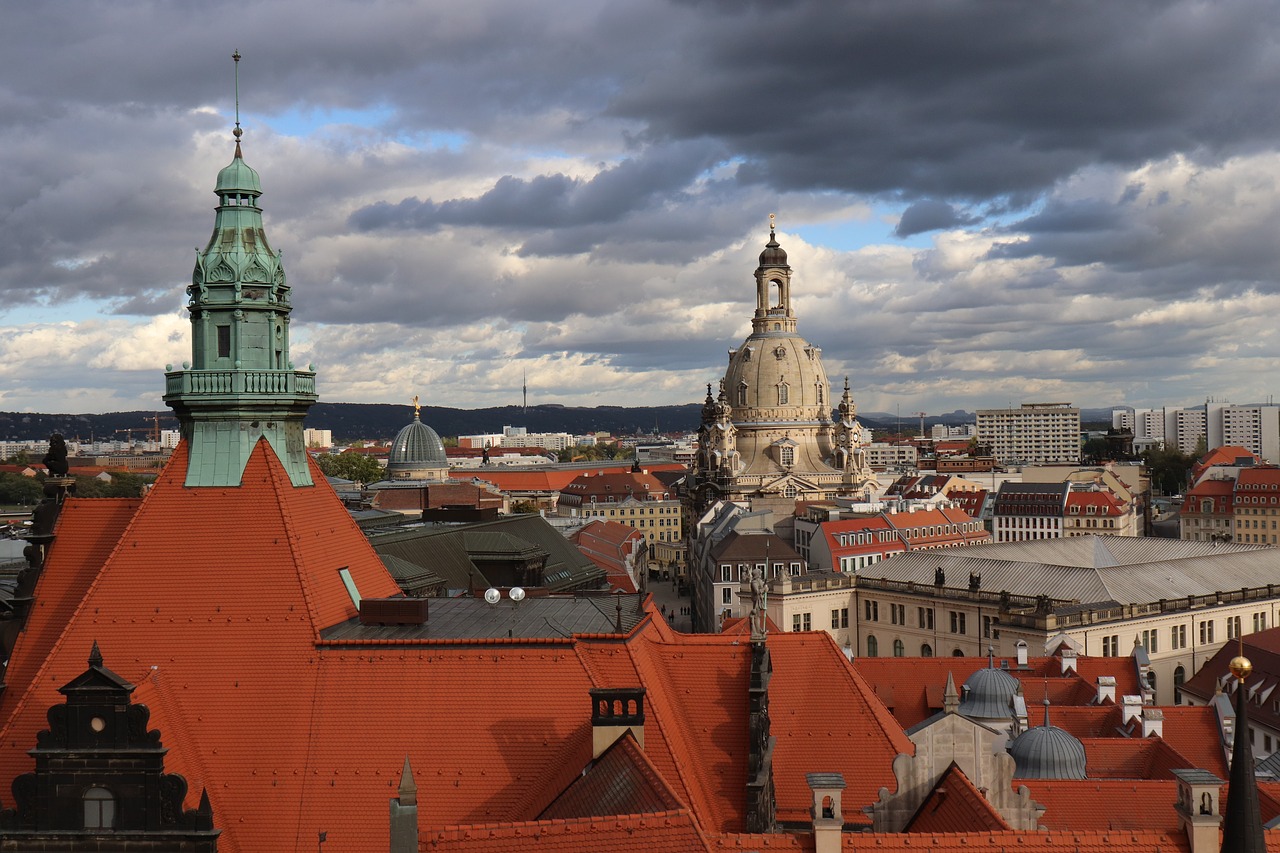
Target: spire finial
(772, 225)
(95, 655)
(237, 133)
(417, 410)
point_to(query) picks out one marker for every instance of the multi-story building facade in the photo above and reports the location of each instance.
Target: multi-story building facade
(635, 498)
(1256, 510)
(886, 457)
(1035, 433)
(1208, 511)
(1029, 511)
(1098, 513)
(1255, 428)
(855, 544)
(1183, 601)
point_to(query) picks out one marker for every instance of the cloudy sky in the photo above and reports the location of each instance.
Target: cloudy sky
(983, 202)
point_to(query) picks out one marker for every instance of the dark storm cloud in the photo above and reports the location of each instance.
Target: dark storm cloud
(662, 175)
(962, 100)
(930, 215)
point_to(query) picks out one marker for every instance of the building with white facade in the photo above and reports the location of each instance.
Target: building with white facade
(1255, 428)
(1034, 433)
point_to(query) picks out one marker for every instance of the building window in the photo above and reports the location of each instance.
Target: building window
(957, 622)
(1111, 646)
(784, 394)
(1179, 676)
(1178, 637)
(873, 646)
(926, 650)
(988, 630)
(742, 394)
(787, 455)
(925, 615)
(872, 609)
(795, 621)
(1206, 631)
(1151, 640)
(1259, 622)
(835, 618)
(1233, 627)
(99, 809)
(726, 596)
(898, 614)
(899, 650)
(224, 342)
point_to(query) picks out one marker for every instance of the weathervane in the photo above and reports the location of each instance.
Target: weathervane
(237, 133)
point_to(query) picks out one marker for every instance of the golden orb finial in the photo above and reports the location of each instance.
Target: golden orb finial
(772, 224)
(1240, 667)
(417, 410)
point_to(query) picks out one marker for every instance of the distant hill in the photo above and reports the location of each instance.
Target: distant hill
(351, 421)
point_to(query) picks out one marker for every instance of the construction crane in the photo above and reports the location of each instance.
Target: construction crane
(154, 433)
(129, 432)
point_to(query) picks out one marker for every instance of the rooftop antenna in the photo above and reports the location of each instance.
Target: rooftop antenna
(237, 133)
(524, 388)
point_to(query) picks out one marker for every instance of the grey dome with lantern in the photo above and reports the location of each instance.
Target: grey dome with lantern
(417, 453)
(1047, 752)
(988, 694)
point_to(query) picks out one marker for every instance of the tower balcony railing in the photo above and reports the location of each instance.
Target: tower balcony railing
(297, 382)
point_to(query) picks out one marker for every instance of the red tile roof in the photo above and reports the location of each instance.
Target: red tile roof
(212, 601)
(622, 781)
(955, 805)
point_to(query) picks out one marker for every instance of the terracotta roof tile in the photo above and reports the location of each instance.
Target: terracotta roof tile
(955, 805)
(675, 831)
(620, 782)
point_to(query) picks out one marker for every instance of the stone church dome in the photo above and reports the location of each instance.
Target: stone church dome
(417, 449)
(770, 435)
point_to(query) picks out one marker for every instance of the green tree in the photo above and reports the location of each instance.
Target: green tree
(351, 466)
(1167, 467)
(17, 490)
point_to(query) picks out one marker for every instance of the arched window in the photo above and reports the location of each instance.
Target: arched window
(899, 650)
(957, 653)
(790, 490)
(1179, 676)
(784, 393)
(926, 650)
(819, 393)
(1151, 679)
(787, 455)
(873, 646)
(742, 394)
(99, 809)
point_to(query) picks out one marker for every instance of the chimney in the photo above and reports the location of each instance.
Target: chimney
(1069, 661)
(614, 711)
(1152, 722)
(404, 814)
(1022, 654)
(827, 819)
(1106, 688)
(1132, 709)
(1197, 808)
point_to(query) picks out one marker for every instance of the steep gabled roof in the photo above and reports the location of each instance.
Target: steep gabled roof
(955, 805)
(622, 781)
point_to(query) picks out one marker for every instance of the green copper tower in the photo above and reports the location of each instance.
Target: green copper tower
(240, 385)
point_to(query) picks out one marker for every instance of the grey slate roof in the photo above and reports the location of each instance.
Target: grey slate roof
(1094, 569)
(537, 617)
(443, 549)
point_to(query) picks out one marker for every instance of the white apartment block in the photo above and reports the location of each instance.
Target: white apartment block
(1035, 433)
(1255, 428)
(315, 437)
(881, 456)
(1184, 428)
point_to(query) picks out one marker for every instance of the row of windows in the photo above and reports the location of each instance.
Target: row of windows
(900, 648)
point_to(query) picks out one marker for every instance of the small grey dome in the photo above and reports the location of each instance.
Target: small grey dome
(416, 447)
(1047, 752)
(988, 694)
(773, 255)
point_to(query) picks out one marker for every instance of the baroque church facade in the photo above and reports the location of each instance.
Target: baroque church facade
(769, 436)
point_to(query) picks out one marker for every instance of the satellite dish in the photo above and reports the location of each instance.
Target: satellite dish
(517, 594)
(492, 596)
